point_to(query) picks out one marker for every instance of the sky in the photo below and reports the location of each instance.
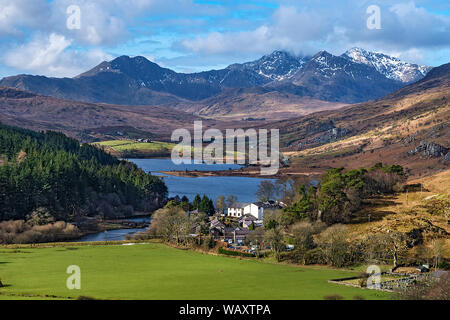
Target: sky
(63, 38)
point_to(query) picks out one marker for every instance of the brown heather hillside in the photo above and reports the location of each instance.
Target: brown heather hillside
(89, 121)
(423, 214)
(258, 103)
(410, 127)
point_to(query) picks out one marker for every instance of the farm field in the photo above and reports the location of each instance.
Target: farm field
(156, 271)
(127, 145)
(134, 149)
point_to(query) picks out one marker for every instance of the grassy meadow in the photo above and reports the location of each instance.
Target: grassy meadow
(156, 271)
(128, 145)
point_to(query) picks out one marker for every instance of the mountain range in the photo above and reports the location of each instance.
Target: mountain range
(355, 76)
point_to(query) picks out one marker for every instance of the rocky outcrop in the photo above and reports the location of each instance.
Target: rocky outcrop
(414, 237)
(410, 139)
(447, 157)
(331, 135)
(430, 149)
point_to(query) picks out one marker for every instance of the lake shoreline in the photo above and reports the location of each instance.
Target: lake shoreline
(245, 171)
(225, 173)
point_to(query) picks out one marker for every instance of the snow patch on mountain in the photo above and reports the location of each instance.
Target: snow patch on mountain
(277, 66)
(391, 67)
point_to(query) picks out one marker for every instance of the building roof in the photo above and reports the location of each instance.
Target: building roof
(239, 205)
(216, 223)
(248, 217)
(238, 231)
(260, 204)
(270, 204)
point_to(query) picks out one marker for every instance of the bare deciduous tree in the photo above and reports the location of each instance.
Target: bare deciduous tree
(395, 244)
(266, 191)
(275, 238)
(437, 248)
(170, 223)
(333, 244)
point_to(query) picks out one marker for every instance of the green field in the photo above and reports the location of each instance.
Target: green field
(127, 145)
(155, 271)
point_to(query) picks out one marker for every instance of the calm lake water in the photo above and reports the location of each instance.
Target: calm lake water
(242, 187)
(112, 235)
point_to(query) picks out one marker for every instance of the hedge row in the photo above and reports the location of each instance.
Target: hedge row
(234, 253)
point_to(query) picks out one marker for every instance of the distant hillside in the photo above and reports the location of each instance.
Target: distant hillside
(258, 103)
(88, 121)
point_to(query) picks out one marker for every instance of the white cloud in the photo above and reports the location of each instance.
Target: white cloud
(51, 55)
(20, 13)
(333, 26)
(291, 29)
(103, 22)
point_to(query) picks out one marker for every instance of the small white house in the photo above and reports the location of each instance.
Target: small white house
(236, 211)
(240, 210)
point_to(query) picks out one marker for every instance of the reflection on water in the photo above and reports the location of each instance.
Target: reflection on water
(158, 165)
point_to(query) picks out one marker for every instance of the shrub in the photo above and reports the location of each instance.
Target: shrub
(314, 256)
(39, 217)
(139, 236)
(234, 253)
(445, 265)
(438, 207)
(209, 243)
(19, 232)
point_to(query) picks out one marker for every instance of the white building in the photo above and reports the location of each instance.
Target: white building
(240, 210)
(236, 211)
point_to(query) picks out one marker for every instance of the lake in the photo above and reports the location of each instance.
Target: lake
(242, 187)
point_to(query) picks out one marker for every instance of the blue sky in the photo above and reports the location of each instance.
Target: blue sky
(196, 35)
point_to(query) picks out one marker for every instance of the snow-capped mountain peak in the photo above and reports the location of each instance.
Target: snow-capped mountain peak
(391, 67)
(277, 66)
